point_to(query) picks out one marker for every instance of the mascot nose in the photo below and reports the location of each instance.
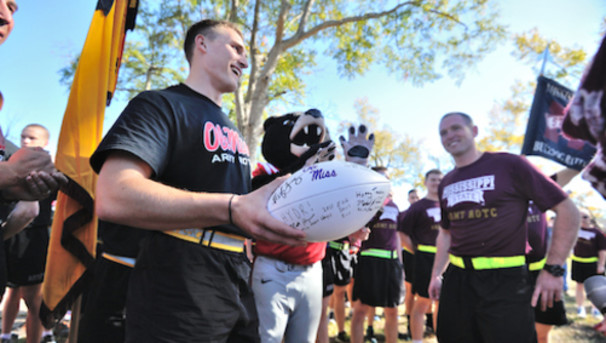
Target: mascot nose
(314, 113)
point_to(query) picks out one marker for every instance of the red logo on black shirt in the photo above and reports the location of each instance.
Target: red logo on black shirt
(223, 138)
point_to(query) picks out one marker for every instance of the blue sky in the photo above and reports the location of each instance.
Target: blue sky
(47, 34)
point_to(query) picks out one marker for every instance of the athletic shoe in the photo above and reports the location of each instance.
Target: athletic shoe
(595, 313)
(342, 337)
(404, 336)
(581, 312)
(370, 335)
(48, 339)
(13, 339)
(370, 331)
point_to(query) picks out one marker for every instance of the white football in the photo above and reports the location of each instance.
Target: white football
(329, 200)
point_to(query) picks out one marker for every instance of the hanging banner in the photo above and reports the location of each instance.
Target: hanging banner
(544, 130)
(71, 250)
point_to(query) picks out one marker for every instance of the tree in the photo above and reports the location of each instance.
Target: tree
(417, 40)
(152, 56)
(401, 154)
(507, 125)
(506, 128)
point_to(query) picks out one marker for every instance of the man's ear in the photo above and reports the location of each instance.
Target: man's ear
(475, 131)
(201, 42)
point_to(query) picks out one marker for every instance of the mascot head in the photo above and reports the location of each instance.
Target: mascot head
(288, 136)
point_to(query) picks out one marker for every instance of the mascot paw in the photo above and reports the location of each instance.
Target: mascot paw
(358, 146)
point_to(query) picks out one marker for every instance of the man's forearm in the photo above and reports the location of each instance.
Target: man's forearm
(8, 177)
(565, 229)
(441, 258)
(23, 214)
(146, 204)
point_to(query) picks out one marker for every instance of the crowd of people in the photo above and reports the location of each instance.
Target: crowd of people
(473, 259)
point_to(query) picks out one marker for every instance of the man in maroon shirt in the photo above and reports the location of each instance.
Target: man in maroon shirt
(484, 202)
(378, 275)
(420, 225)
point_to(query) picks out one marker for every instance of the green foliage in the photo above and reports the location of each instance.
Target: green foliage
(418, 41)
(569, 61)
(507, 125)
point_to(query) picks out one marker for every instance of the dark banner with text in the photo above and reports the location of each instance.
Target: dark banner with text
(544, 131)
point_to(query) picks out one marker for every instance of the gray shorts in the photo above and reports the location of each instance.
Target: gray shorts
(288, 298)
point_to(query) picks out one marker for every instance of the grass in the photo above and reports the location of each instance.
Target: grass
(579, 330)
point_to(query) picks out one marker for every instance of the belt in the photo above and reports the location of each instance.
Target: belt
(123, 260)
(380, 253)
(538, 265)
(210, 238)
(480, 263)
(427, 248)
(338, 245)
(584, 259)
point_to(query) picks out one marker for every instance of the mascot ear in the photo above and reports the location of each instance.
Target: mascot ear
(314, 113)
(268, 123)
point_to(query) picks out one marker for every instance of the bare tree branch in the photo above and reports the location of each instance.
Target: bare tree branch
(254, 54)
(299, 36)
(304, 16)
(446, 15)
(233, 11)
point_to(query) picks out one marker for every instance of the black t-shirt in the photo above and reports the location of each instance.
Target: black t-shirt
(186, 139)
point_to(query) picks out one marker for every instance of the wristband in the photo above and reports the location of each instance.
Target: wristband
(554, 269)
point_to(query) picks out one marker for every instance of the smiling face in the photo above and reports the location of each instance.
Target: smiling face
(432, 182)
(7, 9)
(458, 135)
(224, 58)
(585, 218)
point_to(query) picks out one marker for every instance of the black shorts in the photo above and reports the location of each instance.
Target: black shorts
(181, 292)
(422, 273)
(555, 315)
(341, 263)
(581, 271)
(26, 257)
(486, 306)
(408, 265)
(104, 310)
(328, 283)
(378, 281)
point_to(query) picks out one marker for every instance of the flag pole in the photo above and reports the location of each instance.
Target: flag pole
(545, 59)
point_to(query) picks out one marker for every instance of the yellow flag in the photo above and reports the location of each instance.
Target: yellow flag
(74, 231)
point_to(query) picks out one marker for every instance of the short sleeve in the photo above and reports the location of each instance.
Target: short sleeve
(143, 129)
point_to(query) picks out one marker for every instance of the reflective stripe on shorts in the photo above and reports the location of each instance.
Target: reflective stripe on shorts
(538, 265)
(480, 263)
(584, 259)
(427, 248)
(123, 260)
(210, 238)
(380, 253)
(338, 245)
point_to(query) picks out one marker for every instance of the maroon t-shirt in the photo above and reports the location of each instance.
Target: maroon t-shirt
(421, 222)
(384, 234)
(537, 233)
(484, 204)
(589, 242)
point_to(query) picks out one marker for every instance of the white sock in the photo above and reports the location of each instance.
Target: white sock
(5, 335)
(417, 341)
(47, 333)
